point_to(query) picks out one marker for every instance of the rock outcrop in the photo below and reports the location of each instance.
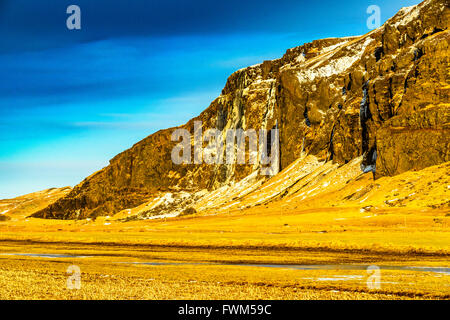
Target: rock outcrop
(383, 96)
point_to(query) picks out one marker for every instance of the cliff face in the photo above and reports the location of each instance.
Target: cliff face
(383, 96)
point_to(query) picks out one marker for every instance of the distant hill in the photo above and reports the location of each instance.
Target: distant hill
(26, 205)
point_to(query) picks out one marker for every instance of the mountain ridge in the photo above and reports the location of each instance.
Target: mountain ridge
(383, 96)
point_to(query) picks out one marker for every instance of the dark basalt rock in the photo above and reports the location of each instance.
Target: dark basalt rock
(389, 96)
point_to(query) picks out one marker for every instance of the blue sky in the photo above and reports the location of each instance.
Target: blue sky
(71, 100)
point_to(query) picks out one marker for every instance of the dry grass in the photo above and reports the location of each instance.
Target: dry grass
(110, 276)
(394, 230)
(264, 237)
(350, 225)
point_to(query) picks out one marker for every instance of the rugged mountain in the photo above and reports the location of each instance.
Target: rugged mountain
(380, 101)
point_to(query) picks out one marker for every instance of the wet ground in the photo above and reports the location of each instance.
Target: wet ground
(342, 272)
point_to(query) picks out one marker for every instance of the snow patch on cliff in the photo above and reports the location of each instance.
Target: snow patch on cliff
(408, 14)
(331, 48)
(333, 67)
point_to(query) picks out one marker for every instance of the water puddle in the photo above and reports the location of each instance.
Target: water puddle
(44, 255)
(354, 267)
(440, 270)
(337, 278)
(167, 263)
(335, 267)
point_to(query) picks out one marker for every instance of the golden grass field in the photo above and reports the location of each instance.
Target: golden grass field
(196, 257)
(258, 253)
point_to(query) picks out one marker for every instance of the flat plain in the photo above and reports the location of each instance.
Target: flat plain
(262, 253)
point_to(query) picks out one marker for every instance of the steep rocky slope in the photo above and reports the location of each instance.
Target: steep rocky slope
(383, 97)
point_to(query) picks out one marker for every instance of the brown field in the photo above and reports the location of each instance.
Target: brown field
(231, 256)
(287, 248)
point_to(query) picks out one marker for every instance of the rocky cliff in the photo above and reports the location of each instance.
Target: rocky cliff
(383, 97)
